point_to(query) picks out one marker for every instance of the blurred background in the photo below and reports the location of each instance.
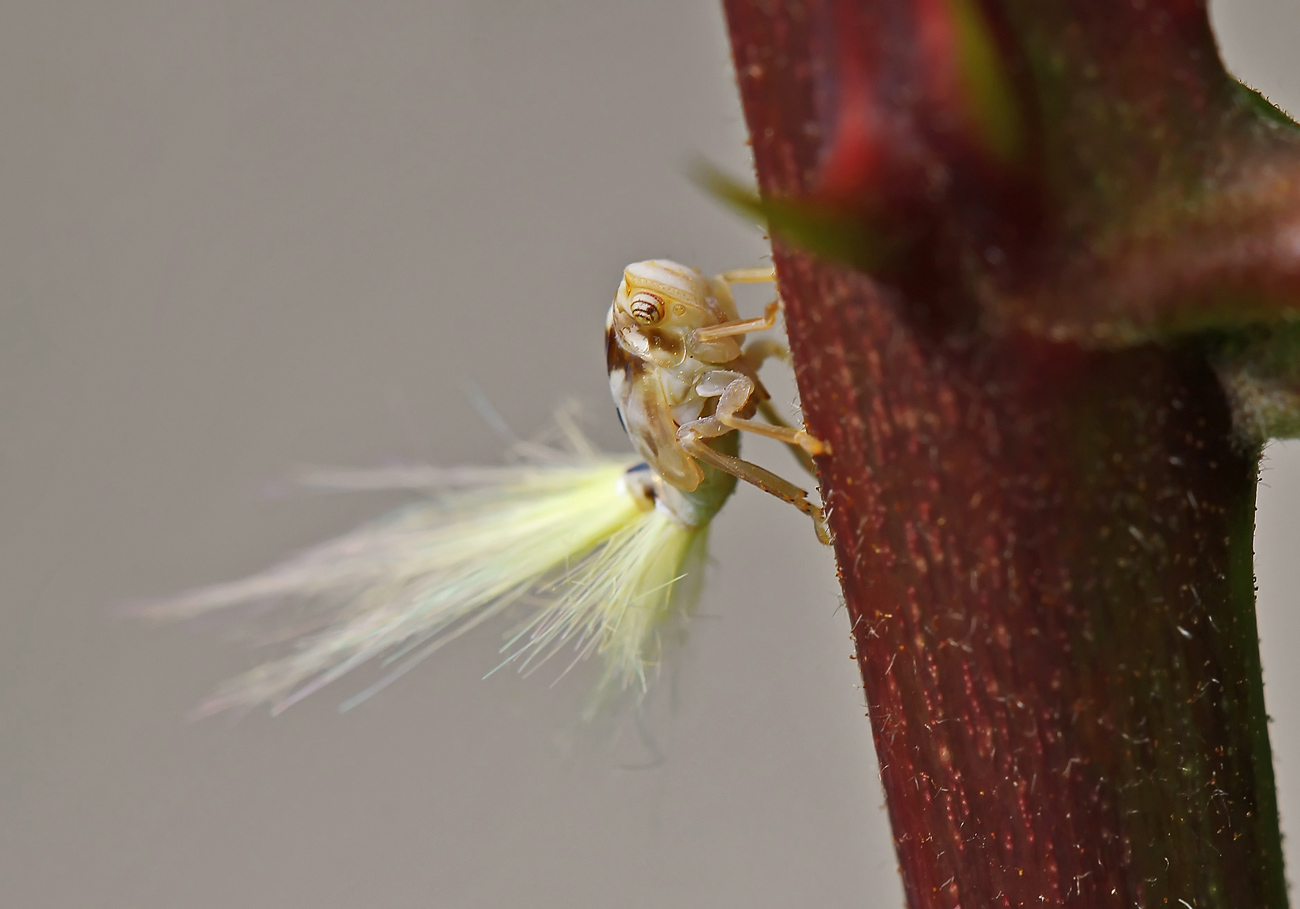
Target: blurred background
(240, 237)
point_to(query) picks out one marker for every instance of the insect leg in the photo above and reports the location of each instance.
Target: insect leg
(692, 438)
(734, 390)
(773, 416)
(755, 354)
(764, 274)
(759, 351)
(740, 327)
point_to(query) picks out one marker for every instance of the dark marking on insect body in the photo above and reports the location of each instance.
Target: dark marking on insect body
(664, 341)
(640, 480)
(615, 356)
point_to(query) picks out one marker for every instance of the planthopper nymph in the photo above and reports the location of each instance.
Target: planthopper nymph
(602, 554)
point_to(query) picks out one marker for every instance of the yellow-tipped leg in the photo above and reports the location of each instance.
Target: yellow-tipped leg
(763, 274)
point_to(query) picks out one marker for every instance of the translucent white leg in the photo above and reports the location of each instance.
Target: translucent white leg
(733, 391)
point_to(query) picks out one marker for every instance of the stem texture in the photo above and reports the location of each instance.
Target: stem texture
(1045, 548)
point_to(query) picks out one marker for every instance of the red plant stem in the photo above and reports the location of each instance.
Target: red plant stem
(1046, 555)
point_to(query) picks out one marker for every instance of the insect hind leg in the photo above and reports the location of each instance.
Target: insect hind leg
(694, 436)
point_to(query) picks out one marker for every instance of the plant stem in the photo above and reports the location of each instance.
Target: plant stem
(1046, 556)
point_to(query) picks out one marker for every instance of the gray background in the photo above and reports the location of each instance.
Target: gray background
(237, 237)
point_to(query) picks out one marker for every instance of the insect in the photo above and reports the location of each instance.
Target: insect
(605, 553)
(672, 351)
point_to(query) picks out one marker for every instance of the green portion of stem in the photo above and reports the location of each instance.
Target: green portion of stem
(1260, 103)
(1254, 713)
(1260, 372)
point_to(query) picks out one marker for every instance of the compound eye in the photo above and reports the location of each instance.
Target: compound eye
(646, 308)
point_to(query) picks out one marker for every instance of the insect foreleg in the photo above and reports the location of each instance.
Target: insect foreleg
(740, 327)
(765, 274)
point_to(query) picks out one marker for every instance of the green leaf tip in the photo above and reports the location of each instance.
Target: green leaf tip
(994, 108)
(815, 227)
